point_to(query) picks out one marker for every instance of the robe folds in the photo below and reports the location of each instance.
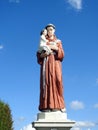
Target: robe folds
(51, 86)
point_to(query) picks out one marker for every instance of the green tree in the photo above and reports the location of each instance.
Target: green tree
(6, 122)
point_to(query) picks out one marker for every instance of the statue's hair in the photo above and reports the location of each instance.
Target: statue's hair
(42, 31)
(50, 25)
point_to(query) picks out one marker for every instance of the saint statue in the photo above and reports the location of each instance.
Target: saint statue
(50, 55)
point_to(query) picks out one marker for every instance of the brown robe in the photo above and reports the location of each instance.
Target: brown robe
(51, 87)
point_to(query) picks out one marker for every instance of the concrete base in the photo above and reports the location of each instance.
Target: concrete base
(52, 121)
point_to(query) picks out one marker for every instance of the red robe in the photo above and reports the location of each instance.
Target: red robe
(51, 87)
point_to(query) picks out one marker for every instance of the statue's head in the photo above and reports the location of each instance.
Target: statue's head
(50, 25)
(43, 32)
(50, 29)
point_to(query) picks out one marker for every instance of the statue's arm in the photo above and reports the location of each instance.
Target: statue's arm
(39, 59)
(60, 52)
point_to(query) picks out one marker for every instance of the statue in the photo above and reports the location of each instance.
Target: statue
(50, 55)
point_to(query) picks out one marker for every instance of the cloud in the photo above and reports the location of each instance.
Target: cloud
(19, 120)
(1, 47)
(97, 81)
(14, 1)
(76, 105)
(96, 105)
(76, 4)
(83, 124)
(76, 128)
(29, 127)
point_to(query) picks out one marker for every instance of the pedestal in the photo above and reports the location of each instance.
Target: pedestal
(52, 121)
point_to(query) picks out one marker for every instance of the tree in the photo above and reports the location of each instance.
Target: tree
(6, 122)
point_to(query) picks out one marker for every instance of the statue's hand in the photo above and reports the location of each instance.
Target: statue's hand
(53, 47)
(43, 55)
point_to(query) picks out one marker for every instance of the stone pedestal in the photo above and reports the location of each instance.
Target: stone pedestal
(52, 121)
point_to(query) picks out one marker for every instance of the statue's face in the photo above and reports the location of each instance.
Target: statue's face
(45, 32)
(50, 31)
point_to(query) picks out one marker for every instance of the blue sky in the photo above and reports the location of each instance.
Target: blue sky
(76, 24)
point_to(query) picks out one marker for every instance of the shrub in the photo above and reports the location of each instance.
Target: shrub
(6, 122)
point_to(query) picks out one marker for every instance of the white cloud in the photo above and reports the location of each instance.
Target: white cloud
(97, 81)
(76, 4)
(29, 127)
(19, 120)
(14, 1)
(83, 124)
(76, 105)
(1, 47)
(96, 105)
(76, 128)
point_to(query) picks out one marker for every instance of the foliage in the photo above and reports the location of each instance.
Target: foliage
(6, 122)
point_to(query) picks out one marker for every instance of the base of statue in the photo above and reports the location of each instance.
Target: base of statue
(52, 121)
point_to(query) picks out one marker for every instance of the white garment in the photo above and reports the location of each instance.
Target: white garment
(43, 45)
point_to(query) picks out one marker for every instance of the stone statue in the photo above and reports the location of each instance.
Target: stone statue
(51, 87)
